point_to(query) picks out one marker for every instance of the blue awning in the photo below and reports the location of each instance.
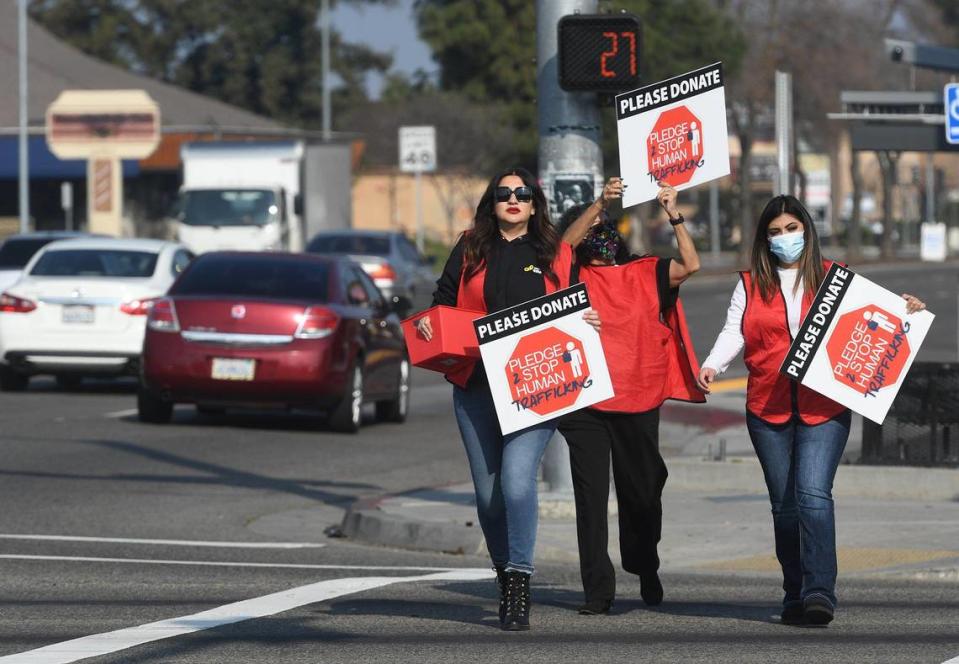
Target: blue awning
(44, 164)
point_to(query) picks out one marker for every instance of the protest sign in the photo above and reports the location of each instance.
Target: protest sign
(542, 359)
(856, 343)
(673, 131)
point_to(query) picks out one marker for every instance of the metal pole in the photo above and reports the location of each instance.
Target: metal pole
(420, 239)
(930, 188)
(325, 56)
(569, 144)
(24, 166)
(784, 121)
(714, 245)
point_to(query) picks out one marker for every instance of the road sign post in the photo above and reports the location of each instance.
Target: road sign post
(418, 156)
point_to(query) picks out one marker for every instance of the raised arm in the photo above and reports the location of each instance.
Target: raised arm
(579, 228)
(688, 263)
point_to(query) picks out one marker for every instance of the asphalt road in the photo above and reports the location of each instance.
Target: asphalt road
(189, 519)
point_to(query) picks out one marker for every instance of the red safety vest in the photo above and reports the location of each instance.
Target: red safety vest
(650, 359)
(470, 296)
(771, 395)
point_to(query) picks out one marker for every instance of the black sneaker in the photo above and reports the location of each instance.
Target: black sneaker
(817, 610)
(793, 614)
(651, 589)
(596, 607)
(517, 602)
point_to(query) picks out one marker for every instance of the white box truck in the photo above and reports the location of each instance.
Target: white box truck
(261, 196)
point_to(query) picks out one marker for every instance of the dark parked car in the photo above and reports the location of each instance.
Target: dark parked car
(391, 260)
(274, 329)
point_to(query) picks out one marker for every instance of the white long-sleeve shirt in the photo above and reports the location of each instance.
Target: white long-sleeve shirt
(730, 341)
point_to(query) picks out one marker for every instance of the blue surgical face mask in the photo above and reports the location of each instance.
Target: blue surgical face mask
(787, 248)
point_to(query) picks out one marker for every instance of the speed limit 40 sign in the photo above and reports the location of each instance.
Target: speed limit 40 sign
(418, 149)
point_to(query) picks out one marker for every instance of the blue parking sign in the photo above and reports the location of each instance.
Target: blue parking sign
(950, 98)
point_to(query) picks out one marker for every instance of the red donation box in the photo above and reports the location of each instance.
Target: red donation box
(453, 343)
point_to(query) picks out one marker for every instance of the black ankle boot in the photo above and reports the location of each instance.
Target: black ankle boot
(517, 602)
(501, 584)
(651, 588)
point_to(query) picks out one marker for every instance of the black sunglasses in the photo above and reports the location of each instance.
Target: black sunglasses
(524, 194)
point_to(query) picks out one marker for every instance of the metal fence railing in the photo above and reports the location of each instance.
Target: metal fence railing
(922, 427)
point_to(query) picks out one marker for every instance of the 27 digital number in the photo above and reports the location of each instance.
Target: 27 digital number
(613, 38)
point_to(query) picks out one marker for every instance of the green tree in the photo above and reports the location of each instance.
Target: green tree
(264, 57)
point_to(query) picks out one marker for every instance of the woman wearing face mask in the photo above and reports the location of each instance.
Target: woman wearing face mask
(512, 254)
(650, 359)
(799, 435)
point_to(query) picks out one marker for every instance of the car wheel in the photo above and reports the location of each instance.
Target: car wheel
(395, 410)
(11, 381)
(68, 382)
(346, 417)
(151, 408)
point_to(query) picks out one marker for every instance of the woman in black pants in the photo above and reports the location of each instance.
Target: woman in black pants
(650, 359)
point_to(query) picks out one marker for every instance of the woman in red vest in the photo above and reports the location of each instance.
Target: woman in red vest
(798, 434)
(512, 254)
(650, 359)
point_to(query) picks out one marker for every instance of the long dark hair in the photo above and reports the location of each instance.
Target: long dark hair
(481, 239)
(763, 264)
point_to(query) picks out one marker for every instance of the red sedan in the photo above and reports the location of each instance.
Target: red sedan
(275, 330)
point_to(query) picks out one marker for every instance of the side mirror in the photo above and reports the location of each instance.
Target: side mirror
(401, 305)
(429, 260)
(298, 205)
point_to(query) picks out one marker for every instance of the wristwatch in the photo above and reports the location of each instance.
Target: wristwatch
(678, 220)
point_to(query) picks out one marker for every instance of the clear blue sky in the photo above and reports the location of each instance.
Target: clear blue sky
(389, 29)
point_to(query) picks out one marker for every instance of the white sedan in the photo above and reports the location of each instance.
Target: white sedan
(80, 308)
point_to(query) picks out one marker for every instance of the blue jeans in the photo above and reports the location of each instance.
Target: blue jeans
(799, 463)
(504, 470)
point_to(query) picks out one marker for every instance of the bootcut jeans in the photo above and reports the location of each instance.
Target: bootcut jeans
(799, 463)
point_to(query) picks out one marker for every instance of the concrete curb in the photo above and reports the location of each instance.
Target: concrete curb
(366, 522)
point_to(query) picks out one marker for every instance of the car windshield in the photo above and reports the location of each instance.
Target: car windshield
(95, 263)
(17, 252)
(255, 277)
(228, 207)
(368, 245)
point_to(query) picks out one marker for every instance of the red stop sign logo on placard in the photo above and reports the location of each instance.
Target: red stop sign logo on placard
(547, 371)
(675, 146)
(868, 349)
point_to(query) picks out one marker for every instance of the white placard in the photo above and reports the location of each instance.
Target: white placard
(418, 149)
(932, 242)
(856, 343)
(542, 359)
(673, 131)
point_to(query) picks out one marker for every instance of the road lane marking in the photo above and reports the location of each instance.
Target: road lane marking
(217, 563)
(120, 414)
(97, 645)
(729, 385)
(166, 542)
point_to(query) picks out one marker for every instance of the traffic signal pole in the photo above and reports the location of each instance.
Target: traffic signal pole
(569, 145)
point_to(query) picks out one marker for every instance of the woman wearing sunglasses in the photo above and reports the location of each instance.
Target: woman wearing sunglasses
(650, 358)
(512, 254)
(799, 435)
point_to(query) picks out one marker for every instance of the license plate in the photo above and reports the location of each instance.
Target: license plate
(78, 313)
(232, 369)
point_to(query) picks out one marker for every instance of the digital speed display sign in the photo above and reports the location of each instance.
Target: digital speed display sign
(599, 52)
